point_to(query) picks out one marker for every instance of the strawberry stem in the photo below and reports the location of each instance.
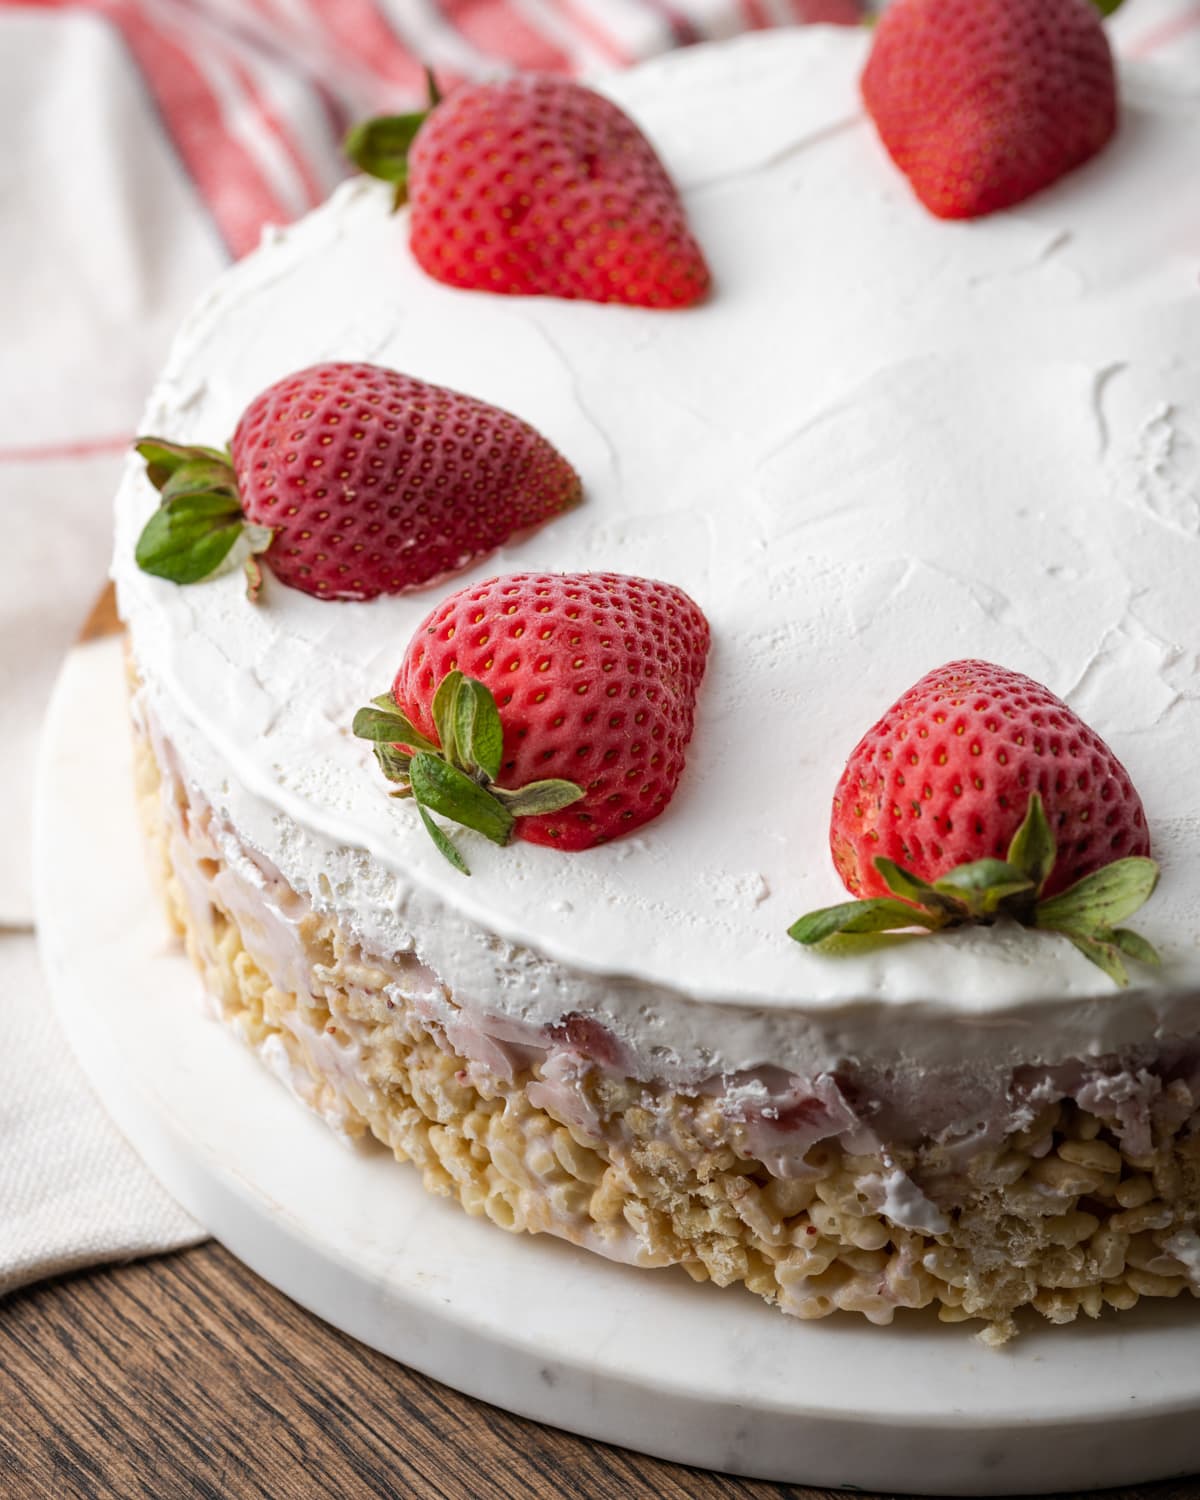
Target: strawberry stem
(985, 889)
(456, 776)
(380, 147)
(199, 522)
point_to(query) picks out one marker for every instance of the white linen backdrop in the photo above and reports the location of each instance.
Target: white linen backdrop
(145, 142)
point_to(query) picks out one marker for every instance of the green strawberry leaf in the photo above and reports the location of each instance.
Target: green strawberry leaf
(194, 530)
(392, 762)
(1108, 7)
(983, 885)
(455, 778)
(442, 710)
(163, 458)
(386, 724)
(1134, 945)
(1103, 955)
(1033, 849)
(478, 732)
(380, 148)
(538, 797)
(163, 452)
(188, 510)
(1101, 899)
(978, 876)
(188, 538)
(975, 892)
(202, 476)
(379, 725)
(907, 886)
(881, 915)
(447, 790)
(444, 845)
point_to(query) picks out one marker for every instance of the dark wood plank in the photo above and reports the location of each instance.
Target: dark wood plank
(189, 1376)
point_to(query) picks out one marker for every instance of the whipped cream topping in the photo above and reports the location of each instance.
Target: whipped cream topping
(884, 442)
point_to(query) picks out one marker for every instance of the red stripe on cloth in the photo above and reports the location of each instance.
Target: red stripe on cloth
(358, 30)
(500, 30)
(299, 43)
(236, 193)
(56, 452)
(835, 12)
(313, 190)
(1166, 33)
(242, 45)
(590, 30)
(683, 30)
(754, 15)
(338, 116)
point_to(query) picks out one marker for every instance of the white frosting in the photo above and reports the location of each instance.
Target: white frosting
(883, 443)
(899, 1199)
(1184, 1245)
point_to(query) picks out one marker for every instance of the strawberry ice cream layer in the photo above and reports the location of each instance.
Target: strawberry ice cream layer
(1067, 1189)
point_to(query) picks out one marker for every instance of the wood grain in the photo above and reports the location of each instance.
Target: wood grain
(189, 1376)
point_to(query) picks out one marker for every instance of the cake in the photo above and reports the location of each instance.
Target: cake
(882, 442)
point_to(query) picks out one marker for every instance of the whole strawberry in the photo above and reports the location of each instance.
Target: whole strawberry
(550, 707)
(979, 794)
(536, 185)
(983, 103)
(352, 480)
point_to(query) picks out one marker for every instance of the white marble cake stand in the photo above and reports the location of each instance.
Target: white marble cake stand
(644, 1359)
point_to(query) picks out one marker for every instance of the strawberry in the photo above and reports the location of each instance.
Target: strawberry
(535, 185)
(979, 794)
(983, 103)
(586, 676)
(945, 776)
(351, 481)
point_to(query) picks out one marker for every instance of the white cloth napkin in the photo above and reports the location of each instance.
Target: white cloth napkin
(147, 143)
(72, 1193)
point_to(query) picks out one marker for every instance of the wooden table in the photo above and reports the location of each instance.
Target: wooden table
(187, 1375)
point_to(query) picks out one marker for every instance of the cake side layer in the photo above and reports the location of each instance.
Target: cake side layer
(984, 443)
(1091, 1203)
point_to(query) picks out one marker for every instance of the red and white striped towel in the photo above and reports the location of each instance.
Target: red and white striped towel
(147, 143)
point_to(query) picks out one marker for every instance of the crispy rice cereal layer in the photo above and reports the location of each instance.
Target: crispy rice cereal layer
(1057, 1216)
